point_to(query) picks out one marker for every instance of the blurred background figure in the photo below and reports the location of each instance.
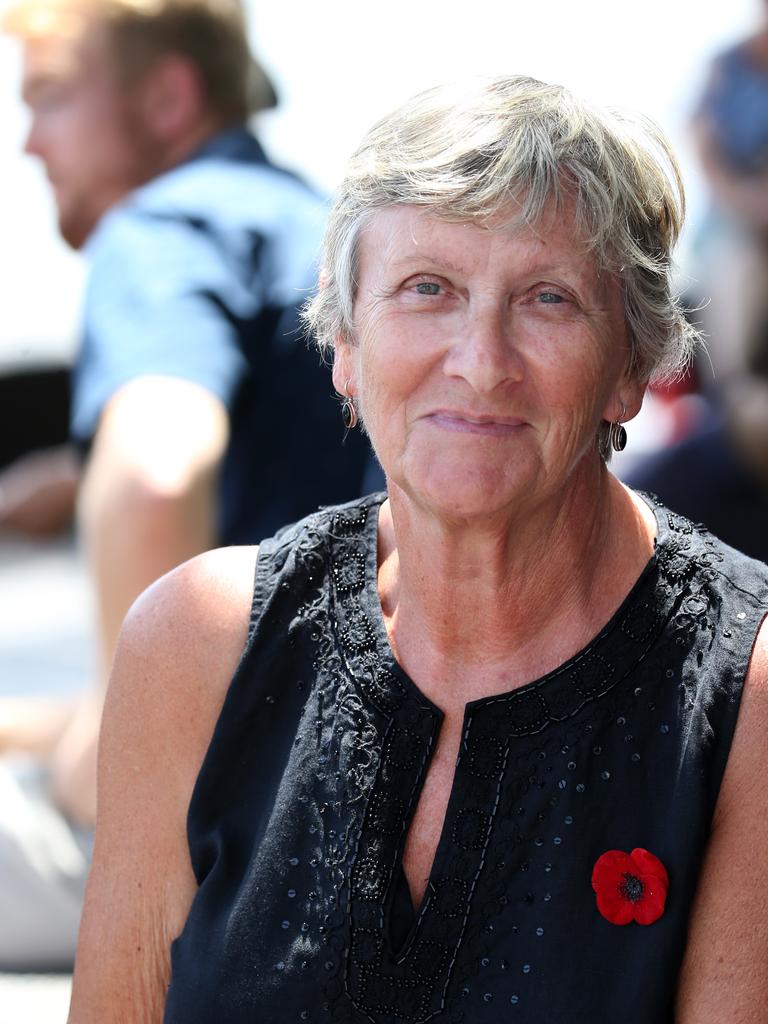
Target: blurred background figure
(717, 473)
(199, 412)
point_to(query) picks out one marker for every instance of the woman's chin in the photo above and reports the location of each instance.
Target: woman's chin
(460, 491)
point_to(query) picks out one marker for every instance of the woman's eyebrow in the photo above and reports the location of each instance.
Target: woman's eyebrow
(421, 258)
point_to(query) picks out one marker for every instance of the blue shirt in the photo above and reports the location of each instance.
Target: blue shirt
(199, 275)
(736, 106)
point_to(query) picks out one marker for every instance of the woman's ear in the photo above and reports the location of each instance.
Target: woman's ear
(344, 368)
(626, 401)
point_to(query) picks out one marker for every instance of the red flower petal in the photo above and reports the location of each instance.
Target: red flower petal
(630, 887)
(647, 864)
(617, 910)
(610, 867)
(651, 906)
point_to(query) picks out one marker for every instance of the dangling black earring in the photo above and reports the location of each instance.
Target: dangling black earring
(618, 437)
(349, 413)
(348, 410)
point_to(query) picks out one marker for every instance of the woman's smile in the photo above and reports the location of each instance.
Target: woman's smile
(475, 423)
(478, 390)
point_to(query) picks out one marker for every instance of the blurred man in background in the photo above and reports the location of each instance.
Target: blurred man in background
(201, 415)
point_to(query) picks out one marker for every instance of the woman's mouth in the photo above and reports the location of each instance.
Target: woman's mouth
(463, 422)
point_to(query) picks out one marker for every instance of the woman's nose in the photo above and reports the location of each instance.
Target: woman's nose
(486, 354)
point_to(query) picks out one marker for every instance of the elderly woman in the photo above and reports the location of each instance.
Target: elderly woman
(489, 748)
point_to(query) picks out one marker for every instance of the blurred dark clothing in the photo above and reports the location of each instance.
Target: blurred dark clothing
(199, 275)
(735, 104)
(703, 478)
(34, 410)
(712, 474)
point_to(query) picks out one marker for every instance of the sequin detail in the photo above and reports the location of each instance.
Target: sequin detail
(412, 983)
(541, 770)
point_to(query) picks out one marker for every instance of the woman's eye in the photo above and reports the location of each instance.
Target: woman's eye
(428, 288)
(552, 297)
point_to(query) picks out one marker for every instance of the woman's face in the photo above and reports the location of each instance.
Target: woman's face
(484, 358)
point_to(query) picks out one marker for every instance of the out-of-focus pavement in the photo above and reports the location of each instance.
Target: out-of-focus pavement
(45, 648)
(34, 998)
(44, 618)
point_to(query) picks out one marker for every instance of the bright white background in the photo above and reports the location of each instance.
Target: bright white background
(340, 64)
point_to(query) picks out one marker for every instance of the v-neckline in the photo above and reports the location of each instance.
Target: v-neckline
(384, 646)
(385, 649)
(494, 729)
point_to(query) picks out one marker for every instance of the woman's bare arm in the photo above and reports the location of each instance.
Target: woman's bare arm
(725, 971)
(178, 650)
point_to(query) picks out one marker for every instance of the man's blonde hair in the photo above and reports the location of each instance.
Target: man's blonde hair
(475, 150)
(211, 34)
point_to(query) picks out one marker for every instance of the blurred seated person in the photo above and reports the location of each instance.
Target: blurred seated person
(719, 473)
(200, 413)
(730, 127)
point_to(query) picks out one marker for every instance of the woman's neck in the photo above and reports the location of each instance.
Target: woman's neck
(487, 607)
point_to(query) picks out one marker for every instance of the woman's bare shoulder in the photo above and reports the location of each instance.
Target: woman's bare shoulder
(748, 760)
(213, 588)
(177, 652)
(176, 655)
(193, 622)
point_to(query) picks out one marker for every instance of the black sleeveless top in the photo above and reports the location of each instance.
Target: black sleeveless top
(298, 818)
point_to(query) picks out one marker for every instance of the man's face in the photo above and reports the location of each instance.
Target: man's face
(86, 127)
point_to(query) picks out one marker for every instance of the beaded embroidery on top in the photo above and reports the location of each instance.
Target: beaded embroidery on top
(411, 984)
(300, 814)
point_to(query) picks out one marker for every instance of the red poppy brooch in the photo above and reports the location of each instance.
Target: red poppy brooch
(630, 886)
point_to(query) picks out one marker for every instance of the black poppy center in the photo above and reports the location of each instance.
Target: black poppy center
(631, 888)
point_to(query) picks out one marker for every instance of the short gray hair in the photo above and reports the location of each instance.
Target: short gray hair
(467, 152)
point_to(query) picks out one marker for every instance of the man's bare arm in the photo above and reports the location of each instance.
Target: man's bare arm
(148, 498)
(148, 503)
